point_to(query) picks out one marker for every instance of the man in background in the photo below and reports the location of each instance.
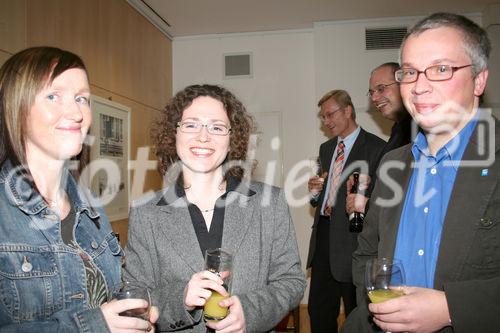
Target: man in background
(331, 245)
(384, 94)
(445, 227)
(386, 97)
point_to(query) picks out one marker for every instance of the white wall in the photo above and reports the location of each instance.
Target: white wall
(292, 70)
(343, 62)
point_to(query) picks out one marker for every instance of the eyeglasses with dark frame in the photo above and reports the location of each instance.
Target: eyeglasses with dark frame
(379, 89)
(196, 126)
(329, 115)
(432, 73)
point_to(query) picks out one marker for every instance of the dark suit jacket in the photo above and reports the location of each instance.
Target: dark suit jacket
(468, 266)
(401, 134)
(366, 150)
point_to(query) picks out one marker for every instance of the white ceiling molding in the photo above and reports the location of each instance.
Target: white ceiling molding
(152, 16)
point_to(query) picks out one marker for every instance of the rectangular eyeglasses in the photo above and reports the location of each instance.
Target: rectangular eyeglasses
(196, 126)
(432, 73)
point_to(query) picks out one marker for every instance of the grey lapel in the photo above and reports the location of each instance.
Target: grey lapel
(393, 216)
(326, 155)
(178, 229)
(237, 219)
(326, 158)
(357, 148)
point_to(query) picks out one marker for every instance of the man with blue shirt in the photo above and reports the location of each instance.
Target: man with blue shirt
(331, 245)
(442, 221)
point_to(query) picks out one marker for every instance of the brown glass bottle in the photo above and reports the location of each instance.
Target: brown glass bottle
(356, 219)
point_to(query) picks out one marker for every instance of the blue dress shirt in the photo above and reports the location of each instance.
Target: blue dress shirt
(425, 206)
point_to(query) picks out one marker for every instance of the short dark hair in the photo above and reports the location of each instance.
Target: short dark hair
(475, 39)
(392, 65)
(22, 77)
(165, 127)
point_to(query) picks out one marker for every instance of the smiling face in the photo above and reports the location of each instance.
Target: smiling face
(59, 118)
(388, 102)
(441, 108)
(203, 152)
(336, 118)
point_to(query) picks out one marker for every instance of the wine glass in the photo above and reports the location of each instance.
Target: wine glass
(131, 289)
(315, 165)
(384, 279)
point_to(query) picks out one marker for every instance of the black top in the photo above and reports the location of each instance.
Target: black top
(400, 134)
(96, 285)
(209, 239)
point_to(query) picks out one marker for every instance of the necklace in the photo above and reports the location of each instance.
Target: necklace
(53, 203)
(206, 210)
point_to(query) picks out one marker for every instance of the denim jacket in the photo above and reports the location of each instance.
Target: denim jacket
(42, 281)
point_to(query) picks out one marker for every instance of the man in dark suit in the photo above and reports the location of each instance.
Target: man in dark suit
(332, 244)
(442, 220)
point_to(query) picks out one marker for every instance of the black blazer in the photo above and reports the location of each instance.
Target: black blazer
(367, 150)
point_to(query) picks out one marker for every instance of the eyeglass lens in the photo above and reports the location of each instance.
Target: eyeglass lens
(196, 127)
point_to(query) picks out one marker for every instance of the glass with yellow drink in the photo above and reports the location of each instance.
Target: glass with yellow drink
(384, 279)
(220, 262)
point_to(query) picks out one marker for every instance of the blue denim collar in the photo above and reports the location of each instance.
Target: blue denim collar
(20, 192)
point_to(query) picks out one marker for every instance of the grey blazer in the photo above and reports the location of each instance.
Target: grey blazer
(163, 252)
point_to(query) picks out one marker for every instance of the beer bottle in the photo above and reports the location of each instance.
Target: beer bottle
(356, 219)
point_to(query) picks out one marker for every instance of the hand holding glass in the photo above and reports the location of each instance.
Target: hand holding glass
(137, 291)
(315, 165)
(219, 262)
(384, 279)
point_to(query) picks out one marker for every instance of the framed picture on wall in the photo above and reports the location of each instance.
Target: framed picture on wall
(108, 175)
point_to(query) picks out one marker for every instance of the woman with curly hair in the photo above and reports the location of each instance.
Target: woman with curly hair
(201, 142)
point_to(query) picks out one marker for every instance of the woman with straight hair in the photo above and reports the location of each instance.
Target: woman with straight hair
(60, 262)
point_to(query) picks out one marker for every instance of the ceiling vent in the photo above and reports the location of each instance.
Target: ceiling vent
(238, 65)
(384, 38)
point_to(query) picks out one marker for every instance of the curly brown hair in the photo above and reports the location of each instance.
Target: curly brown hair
(164, 128)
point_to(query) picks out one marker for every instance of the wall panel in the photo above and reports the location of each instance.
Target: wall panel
(128, 59)
(125, 54)
(12, 27)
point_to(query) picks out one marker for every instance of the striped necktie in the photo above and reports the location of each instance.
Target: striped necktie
(337, 171)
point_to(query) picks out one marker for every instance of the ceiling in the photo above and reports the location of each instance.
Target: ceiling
(199, 17)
